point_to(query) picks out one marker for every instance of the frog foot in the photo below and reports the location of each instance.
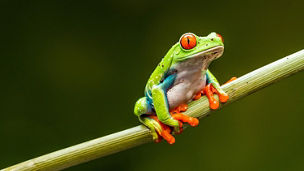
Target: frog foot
(209, 90)
(185, 118)
(166, 131)
(177, 115)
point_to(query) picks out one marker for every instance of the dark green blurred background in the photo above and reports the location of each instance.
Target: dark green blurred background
(71, 71)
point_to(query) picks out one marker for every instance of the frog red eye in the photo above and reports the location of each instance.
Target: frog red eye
(221, 37)
(188, 41)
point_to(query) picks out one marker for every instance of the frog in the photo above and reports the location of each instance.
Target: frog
(181, 77)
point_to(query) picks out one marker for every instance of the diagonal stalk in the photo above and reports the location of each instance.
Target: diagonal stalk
(138, 135)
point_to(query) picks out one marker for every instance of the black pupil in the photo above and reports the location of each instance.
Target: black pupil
(188, 40)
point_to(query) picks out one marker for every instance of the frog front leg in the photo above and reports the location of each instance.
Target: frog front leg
(213, 86)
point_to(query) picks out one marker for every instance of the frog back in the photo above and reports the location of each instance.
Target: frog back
(159, 72)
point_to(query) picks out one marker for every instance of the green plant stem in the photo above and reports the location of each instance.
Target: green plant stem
(138, 135)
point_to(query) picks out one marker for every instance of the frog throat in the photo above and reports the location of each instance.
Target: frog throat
(207, 55)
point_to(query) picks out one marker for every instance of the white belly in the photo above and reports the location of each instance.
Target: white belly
(185, 87)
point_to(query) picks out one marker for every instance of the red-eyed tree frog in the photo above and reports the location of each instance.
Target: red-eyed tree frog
(180, 77)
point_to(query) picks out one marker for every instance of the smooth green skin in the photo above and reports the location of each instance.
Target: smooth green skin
(174, 56)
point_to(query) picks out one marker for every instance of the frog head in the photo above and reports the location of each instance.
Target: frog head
(201, 49)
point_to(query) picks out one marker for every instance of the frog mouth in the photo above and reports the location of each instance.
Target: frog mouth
(212, 53)
(207, 56)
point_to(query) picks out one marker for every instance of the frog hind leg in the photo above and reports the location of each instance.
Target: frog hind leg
(161, 104)
(164, 131)
(161, 123)
(158, 129)
(144, 111)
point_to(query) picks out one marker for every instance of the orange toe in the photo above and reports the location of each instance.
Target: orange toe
(231, 79)
(208, 91)
(168, 137)
(223, 98)
(184, 118)
(183, 107)
(197, 96)
(193, 121)
(180, 108)
(214, 104)
(213, 90)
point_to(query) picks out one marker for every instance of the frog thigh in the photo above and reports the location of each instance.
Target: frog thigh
(160, 101)
(142, 107)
